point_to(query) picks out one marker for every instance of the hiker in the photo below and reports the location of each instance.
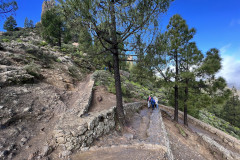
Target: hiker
(152, 102)
(149, 101)
(156, 101)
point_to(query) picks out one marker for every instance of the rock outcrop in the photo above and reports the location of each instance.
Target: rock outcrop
(35, 87)
(47, 5)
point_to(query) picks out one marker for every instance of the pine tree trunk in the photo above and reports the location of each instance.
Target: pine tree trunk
(120, 113)
(176, 90)
(185, 104)
(176, 104)
(59, 39)
(119, 105)
(110, 66)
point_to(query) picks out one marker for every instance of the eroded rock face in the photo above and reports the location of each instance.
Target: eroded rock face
(26, 110)
(29, 106)
(14, 75)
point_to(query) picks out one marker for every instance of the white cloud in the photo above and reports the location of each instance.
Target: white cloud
(235, 22)
(224, 48)
(230, 70)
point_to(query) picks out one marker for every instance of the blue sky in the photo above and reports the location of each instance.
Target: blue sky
(218, 26)
(217, 23)
(26, 8)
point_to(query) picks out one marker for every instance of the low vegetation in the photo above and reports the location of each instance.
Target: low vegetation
(219, 123)
(130, 88)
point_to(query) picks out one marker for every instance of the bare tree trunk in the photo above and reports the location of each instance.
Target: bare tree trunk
(59, 39)
(109, 66)
(176, 90)
(120, 113)
(185, 104)
(119, 105)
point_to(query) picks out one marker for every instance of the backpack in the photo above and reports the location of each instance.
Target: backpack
(149, 99)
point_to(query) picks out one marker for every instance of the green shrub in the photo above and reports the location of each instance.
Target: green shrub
(45, 58)
(63, 49)
(56, 48)
(58, 60)
(19, 41)
(33, 69)
(43, 43)
(142, 95)
(219, 123)
(74, 72)
(5, 40)
(111, 88)
(78, 54)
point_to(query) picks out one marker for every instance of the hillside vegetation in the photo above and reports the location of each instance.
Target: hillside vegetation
(47, 69)
(25, 48)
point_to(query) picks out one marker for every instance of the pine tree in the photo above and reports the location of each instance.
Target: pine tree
(31, 25)
(10, 24)
(52, 26)
(231, 110)
(26, 23)
(174, 55)
(191, 59)
(179, 35)
(8, 7)
(123, 18)
(85, 40)
(168, 53)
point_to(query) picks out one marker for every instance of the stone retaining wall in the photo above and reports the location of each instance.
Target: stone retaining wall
(166, 139)
(220, 151)
(80, 132)
(227, 139)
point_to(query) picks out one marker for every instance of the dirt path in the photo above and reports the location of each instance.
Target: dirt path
(134, 143)
(102, 99)
(184, 142)
(135, 133)
(199, 130)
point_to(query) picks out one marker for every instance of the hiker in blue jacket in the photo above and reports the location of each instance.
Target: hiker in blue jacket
(152, 102)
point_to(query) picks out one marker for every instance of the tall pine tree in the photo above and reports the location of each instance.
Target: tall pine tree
(123, 20)
(26, 23)
(10, 24)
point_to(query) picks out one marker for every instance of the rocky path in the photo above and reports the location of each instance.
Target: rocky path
(78, 100)
(184, 143)
(194, 142)
(143, 140)
(153, 136)
(32, 112)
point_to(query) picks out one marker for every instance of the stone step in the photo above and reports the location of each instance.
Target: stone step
(120, 152)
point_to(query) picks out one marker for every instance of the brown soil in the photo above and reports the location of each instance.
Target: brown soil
(102, 99)
(137, 128)
(198, 129)
(187, 147)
